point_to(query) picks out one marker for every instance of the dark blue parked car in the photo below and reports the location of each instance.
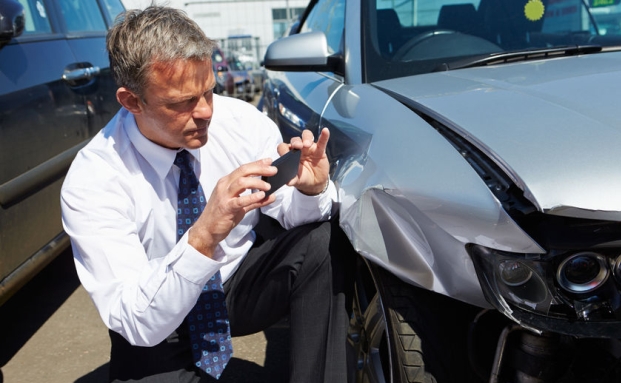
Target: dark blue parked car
(56, 92)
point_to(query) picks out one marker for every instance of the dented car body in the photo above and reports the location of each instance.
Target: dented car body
(551, 161)
(476, 149)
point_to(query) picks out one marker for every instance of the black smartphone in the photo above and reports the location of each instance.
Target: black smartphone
(287, 169)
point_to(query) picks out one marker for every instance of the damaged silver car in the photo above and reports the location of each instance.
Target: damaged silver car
(477, 149)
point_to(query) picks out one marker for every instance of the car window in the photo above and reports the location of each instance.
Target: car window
(327, 16)
(426, 12)
(36, 17)
(235, 64)
(82, 15)
(113, 7)
(420, 36)
(566, 16)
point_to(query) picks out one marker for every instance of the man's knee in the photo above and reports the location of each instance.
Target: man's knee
(317, 242)
(327, 243)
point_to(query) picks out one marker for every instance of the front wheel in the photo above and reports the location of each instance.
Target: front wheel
(403, 334)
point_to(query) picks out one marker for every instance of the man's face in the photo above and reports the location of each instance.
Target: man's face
(177, 106)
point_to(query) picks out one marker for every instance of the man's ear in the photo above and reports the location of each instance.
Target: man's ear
(129, 100)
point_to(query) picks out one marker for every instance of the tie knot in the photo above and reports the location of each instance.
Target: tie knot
(188, 182)
(184, 161)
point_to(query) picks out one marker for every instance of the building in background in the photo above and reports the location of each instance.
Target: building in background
(243, 28)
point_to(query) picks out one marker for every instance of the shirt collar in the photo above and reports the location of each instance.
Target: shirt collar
(159, 157)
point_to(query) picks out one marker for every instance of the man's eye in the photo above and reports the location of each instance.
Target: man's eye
(188, 102)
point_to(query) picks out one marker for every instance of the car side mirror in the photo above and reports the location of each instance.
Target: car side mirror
(12, 21)
(302, 52)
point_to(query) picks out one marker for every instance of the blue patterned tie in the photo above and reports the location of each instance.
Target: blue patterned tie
(208, 320)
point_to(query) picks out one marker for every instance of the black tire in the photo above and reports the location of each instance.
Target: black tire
(403, 334)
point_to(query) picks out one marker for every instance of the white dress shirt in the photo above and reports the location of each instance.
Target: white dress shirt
(119, 202)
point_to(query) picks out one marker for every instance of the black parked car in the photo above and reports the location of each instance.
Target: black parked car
(56, 92)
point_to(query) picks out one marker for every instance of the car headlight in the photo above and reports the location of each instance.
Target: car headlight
(572, 292)
(521, 282)
(583, 272)
(289, 115)
(568, 288)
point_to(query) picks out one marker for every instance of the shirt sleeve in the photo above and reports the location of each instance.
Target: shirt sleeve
(143, 299)
(293, 208)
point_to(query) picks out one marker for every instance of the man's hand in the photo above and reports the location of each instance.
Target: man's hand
(314, 170)
(227, 206)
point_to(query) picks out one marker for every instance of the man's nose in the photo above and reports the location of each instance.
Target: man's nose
(203, 110)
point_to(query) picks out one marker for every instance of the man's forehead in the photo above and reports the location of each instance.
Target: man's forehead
(172, 67)
(181, 79)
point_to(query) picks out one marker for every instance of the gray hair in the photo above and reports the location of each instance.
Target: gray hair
(140, 38)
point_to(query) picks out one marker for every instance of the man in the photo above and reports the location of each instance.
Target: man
(142, 266)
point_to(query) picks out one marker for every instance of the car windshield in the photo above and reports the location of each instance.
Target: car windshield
(235, 64)
(405, 37)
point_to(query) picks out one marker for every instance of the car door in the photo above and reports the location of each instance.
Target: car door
(295, 100)
(40, 117)
(55, 93)
(86, 23)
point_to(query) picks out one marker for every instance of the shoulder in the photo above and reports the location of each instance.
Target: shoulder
(103, 157)
(242, 113)
(243, 122)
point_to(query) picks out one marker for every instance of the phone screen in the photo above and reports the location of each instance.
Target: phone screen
(287, 169)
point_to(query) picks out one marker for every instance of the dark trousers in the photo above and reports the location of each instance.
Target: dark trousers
(305, 274)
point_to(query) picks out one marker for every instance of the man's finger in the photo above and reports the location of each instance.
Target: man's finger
(261, 167)
(308, 138)
(240, 185)
(255, 200)
(283, 148)
(296, 143)
(322, 141)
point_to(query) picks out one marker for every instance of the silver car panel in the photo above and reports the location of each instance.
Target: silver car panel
(415, 217)
(307, 49)
(567, 119)
(353, 74)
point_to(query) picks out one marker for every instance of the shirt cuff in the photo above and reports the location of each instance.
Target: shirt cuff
(194, 265)
(328, 193)
(317, 204)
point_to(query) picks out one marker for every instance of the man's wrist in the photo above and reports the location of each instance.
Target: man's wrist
(316, 194)
(201, 243)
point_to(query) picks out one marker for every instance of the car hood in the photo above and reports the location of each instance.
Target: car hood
(554, 126)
